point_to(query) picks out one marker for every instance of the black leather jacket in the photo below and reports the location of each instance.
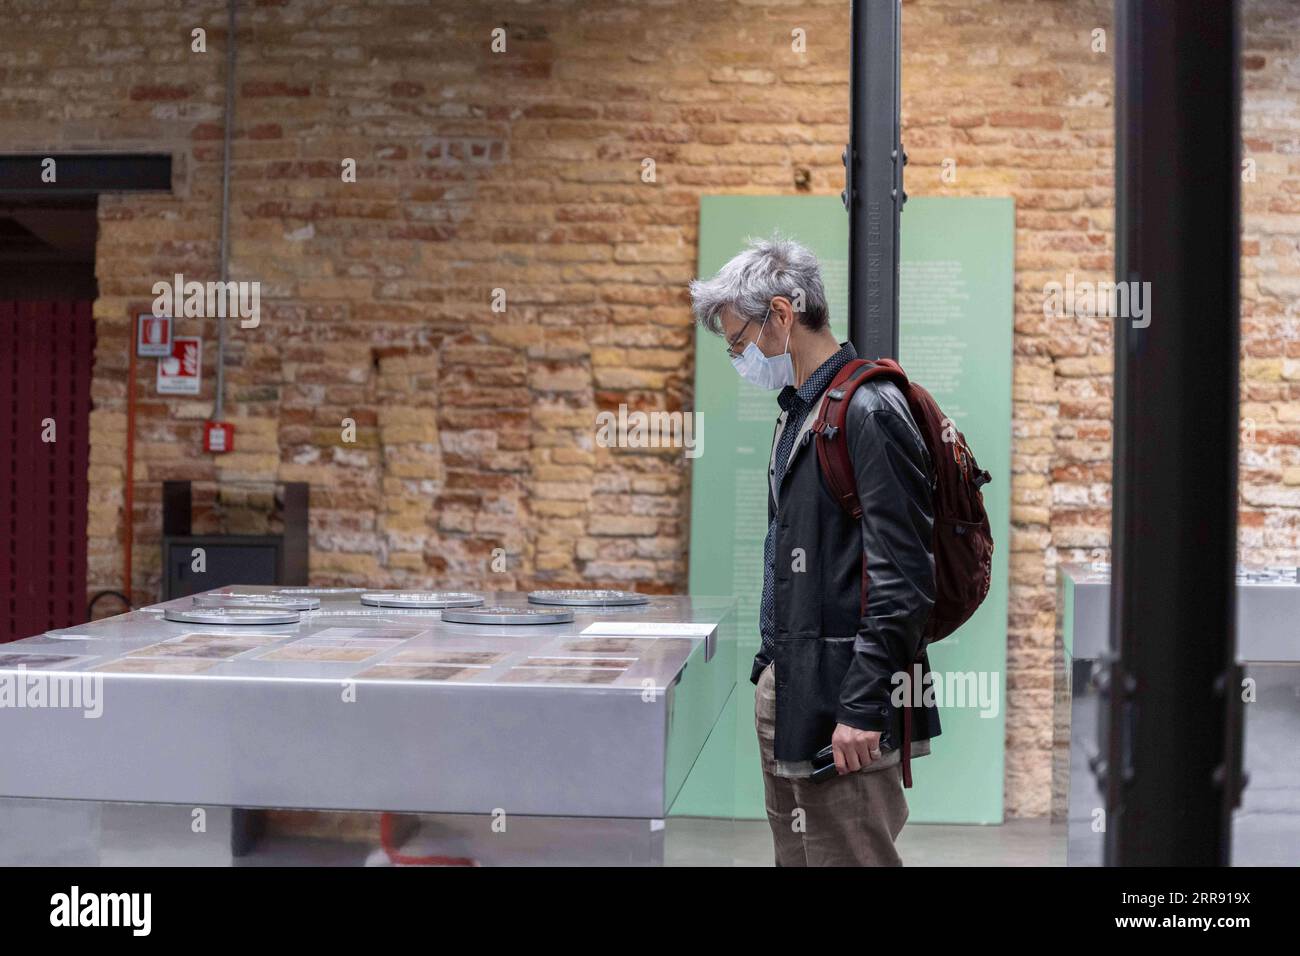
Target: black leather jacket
(835, 664)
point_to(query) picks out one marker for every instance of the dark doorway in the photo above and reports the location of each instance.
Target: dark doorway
(47, 349)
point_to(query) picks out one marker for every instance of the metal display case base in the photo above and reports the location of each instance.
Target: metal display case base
(84, 833)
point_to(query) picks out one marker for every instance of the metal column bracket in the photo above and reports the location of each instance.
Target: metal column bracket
(1231, 775)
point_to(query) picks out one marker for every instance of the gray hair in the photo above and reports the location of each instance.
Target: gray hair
(748, 283)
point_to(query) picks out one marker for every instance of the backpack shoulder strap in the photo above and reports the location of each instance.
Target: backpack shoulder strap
(837, 468)
(832, 445)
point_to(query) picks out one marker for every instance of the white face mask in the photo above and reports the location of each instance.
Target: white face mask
(766, 372)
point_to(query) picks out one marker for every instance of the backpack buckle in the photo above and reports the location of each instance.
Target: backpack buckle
(825, 429)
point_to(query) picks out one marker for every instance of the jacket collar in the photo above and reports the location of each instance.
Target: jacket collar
(801, 439)
(811, 392)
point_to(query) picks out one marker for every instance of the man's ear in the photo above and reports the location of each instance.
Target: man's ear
(783, 312)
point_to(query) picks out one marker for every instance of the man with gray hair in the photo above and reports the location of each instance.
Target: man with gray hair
(844, 600)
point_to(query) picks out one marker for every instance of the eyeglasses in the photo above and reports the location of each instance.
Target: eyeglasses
(733, 342)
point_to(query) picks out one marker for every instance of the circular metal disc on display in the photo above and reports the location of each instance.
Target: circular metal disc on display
(257, 600)
(249, 614)
(435, 599)
(382, 612)
(1269, 575)
(587, 598)
(507, 615)
(320, 590)
(1285, 574)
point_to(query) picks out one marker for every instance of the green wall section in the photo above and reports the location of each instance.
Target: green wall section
(956, 305)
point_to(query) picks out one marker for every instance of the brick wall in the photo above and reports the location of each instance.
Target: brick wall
(521, 172)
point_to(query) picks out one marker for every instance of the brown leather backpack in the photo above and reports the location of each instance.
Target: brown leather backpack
(962, 542)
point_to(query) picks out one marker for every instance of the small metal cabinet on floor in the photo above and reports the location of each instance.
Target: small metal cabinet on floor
(1266, 827)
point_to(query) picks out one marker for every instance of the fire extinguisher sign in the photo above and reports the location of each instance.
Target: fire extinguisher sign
(180, 373)
(153, 336)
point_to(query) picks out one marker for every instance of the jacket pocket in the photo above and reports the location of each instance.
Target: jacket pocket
(808, 678)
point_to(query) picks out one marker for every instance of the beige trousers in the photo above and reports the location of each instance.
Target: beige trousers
(851, 820)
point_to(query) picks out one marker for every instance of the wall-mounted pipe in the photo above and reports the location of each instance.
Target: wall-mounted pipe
(231, 45)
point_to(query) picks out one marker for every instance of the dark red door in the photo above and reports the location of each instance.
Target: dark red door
(47, 351)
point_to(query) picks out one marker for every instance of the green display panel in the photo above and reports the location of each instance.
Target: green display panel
(956, 318)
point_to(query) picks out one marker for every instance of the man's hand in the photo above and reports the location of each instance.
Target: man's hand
(854, 749)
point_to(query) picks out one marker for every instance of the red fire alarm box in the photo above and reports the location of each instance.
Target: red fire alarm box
(218, 437)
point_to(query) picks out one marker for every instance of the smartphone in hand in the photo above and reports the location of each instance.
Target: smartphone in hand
(823, 762)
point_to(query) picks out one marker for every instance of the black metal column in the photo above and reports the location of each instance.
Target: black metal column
(873, 176)
(296, 556)
(1170, 716)
(177, 508)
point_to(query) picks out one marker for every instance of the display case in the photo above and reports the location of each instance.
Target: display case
(358, 707)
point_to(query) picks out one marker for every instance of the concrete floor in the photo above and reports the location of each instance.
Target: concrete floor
(692, 842)
(1034, 842)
